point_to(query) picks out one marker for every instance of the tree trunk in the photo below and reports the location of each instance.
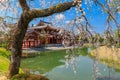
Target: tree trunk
(16, 50)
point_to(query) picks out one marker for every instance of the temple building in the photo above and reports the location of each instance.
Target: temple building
(42, 34)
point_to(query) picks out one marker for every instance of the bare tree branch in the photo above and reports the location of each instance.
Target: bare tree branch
(2, 4)
(108, 12)
(54, 9)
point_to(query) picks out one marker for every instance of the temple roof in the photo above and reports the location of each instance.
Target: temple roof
(41, 23)
(44, 25)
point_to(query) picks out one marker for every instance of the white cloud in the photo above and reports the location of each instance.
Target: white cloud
(59, 17)
(67, 22)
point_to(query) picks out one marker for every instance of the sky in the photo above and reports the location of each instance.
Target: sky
(95, 16)
(96, 19)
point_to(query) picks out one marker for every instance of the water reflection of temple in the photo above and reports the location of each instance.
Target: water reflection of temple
(43, 33)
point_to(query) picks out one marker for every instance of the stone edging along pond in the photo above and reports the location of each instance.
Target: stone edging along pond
(31, 52)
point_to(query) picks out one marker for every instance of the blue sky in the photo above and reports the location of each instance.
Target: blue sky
(94, 14)
(95, 17)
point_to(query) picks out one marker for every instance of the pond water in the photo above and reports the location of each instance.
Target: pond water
(52, 65)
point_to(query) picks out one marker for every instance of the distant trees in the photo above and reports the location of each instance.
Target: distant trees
(1, 36)
(116, 37)
(3, 40)
(6, 34)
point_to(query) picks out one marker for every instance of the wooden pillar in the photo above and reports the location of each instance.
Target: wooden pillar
(31, 43)
(37, 42)
(34, 43)
(57, 41)
(28, 44)
(23, 44)
(48, 40)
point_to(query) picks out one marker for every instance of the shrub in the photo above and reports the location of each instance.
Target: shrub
(4, 52)
(28, 77)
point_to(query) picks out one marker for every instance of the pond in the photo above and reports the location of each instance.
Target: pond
(53, 65)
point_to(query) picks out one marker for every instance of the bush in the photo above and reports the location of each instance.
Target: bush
(4, 45)
(118, 45)
(4, 52)
(4, 63)
(28, 77)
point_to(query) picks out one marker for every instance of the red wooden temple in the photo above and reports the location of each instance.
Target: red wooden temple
(43, 33)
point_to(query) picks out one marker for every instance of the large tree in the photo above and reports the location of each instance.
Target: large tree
(22, 25)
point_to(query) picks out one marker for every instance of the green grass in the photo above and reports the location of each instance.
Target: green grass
(45, 62)
(4, 62)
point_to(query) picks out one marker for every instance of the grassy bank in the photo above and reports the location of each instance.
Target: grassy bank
(4, 62)
(108, 55)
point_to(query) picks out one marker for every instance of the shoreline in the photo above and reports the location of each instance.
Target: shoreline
(37, 50)
(32, 52)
